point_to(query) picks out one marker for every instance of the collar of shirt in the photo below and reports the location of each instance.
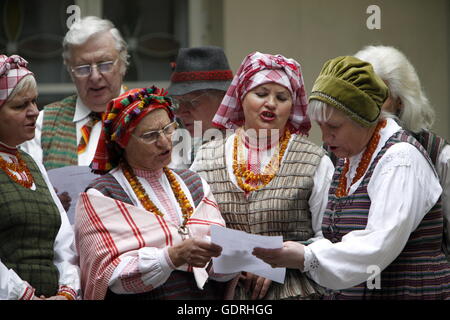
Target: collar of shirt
(385, 133)
(82, 111)
(7, 149)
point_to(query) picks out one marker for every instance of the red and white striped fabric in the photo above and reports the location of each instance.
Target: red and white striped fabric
(257, 69)
(106, 229)
(12, 70)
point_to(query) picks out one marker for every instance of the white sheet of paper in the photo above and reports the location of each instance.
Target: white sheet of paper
(73, 179)
(237, 247)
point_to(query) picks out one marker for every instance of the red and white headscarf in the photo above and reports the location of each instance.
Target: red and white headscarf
(257, 69)
(12, 70)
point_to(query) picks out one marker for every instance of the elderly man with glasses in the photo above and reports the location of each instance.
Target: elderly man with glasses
(67, 131)
(197, 86)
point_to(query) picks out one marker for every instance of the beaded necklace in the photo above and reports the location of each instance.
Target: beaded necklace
(247, 179)
(19, 167)
(185, 205)
(342, 190)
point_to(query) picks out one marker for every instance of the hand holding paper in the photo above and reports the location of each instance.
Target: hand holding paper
(237, 247)
(291, 255)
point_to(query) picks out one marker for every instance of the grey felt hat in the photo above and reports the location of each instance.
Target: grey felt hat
(200, 68)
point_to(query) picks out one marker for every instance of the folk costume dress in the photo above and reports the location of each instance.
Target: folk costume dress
(129, 260)
(291, 201)
(390, 220)
(128, 218)
(37, 253)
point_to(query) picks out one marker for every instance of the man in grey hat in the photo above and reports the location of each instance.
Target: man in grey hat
(197, 86)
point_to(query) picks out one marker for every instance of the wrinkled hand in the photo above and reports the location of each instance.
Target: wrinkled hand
(194, 251)
(291, 255)
(256, 284)
(65, 199)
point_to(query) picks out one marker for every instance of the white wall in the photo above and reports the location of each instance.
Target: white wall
(313, 31)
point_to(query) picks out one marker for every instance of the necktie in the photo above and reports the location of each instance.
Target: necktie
(94, 117)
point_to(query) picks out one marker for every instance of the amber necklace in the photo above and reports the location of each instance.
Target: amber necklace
(19, 167)
(143, 197)
(246, 179)
(342, 190)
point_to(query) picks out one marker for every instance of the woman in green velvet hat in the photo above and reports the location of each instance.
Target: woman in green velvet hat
(383, 223)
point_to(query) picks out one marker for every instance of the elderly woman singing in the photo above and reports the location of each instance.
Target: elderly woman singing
(141, 228)
(37, 254)
(383, 223)
(267, 178)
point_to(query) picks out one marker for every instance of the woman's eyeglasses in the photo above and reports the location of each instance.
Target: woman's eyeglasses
(153, 136)
(86, 69)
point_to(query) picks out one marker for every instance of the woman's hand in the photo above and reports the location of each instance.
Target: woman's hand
(258, 285)
(65, 199)
(291, 255)
(194, 251)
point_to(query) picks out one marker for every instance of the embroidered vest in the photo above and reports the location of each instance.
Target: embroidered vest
(421, 271)
(432, 143)
(29, 223)
(59, 136)
(279, 209)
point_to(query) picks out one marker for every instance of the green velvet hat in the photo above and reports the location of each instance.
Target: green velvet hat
(351, 85)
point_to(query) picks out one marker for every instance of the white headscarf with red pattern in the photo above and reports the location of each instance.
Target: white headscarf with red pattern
(257, 69)
(12, 70)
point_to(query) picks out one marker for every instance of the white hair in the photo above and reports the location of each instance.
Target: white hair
(321, 112)
(394, 68)
(85, 28)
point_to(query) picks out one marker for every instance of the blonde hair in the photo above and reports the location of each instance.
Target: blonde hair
(403, 82)
(27, 83)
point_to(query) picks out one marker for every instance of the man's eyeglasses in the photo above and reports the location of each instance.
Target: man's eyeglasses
(86, 69)
(188, 103)
(153, 136)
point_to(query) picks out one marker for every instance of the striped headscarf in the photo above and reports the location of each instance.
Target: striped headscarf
(257, 69)
(123, 115)
(12, 70)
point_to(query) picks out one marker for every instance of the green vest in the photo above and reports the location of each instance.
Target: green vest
(29, 223)
(59, 136)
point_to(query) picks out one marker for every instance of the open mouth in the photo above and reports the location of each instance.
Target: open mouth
(332, 148)
(97, 89)
(268, 116)
(165, 153)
